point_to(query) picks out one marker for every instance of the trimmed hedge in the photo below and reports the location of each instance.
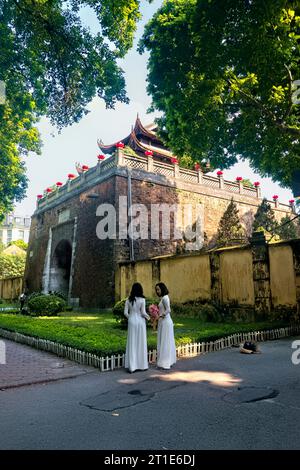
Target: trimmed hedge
(46, 305)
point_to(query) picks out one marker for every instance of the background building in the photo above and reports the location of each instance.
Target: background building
(15, 227)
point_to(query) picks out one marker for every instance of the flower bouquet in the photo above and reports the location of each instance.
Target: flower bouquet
(154, 315)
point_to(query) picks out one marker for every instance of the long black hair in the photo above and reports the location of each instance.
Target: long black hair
(163, 288)
(136, 291)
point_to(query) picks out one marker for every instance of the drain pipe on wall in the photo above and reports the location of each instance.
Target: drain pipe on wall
(129, 201)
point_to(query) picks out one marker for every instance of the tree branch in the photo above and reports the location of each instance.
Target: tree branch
(293, 131)
(288, 111)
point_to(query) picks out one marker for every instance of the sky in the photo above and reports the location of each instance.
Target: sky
(78, 143)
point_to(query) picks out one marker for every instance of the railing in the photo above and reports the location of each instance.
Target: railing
(170, 171)
(117, 361)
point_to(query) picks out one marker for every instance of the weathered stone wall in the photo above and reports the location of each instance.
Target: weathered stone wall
(158, 191)
(93, 259)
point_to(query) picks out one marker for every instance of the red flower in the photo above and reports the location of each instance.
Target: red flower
(256, 184)
(291, 201)
(174, 160)
(148, 153)
(239, 178)
(85, 167)
(58, 184)
(120, 145)
(219, 173)
(40, 196)
(71, 176)
(275, 197)
(101, 157)
(49, 190)
(197, 166)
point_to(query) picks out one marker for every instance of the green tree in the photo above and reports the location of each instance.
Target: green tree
(265, 218)
(20, 244)
(53, 65)
(222, 74)
(230, 229)
(12, 265)
(287, 228)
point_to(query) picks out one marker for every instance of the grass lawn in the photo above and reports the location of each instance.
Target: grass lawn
(6, 303)
(101, 335)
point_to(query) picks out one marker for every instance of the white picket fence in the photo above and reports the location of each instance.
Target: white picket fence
(116, 361)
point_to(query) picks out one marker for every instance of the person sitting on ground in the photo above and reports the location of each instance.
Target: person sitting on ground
(249, 347)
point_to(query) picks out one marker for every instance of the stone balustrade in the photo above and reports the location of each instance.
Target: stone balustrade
(170, 171)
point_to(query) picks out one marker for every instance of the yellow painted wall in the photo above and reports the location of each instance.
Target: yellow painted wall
(127, 274)
(282, 274)
(187, 278)
(236, 277)
(11, 289)
(143, 273)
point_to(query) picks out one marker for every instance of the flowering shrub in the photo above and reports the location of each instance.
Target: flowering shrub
(154, 315)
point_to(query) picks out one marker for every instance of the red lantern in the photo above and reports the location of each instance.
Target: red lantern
(197, 166)
(101, 157)
(275, 197)
(291, 201)
(256, 184)
(39, 196)
(84, 167)
(148, 153)
(49, 190)
(219, 173)
(120, 145)
(239, 178)
(71, 176)
(59, 184)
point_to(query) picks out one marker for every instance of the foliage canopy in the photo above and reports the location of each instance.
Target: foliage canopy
(222, 73)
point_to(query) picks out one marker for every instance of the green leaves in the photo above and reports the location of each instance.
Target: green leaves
(53, 65)
(12, 265)
(222, 75)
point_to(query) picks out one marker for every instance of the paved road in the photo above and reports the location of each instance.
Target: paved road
(222, 400)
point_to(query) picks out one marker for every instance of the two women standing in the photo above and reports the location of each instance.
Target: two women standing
(136, 349)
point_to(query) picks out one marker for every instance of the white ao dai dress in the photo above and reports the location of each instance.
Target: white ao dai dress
(166, 349)
(136, 348)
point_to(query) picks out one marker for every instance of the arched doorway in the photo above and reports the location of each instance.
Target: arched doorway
(61, 268)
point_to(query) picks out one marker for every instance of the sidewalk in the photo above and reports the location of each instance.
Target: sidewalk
(25, 366)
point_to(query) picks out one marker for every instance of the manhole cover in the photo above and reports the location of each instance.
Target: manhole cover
(250, 394)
